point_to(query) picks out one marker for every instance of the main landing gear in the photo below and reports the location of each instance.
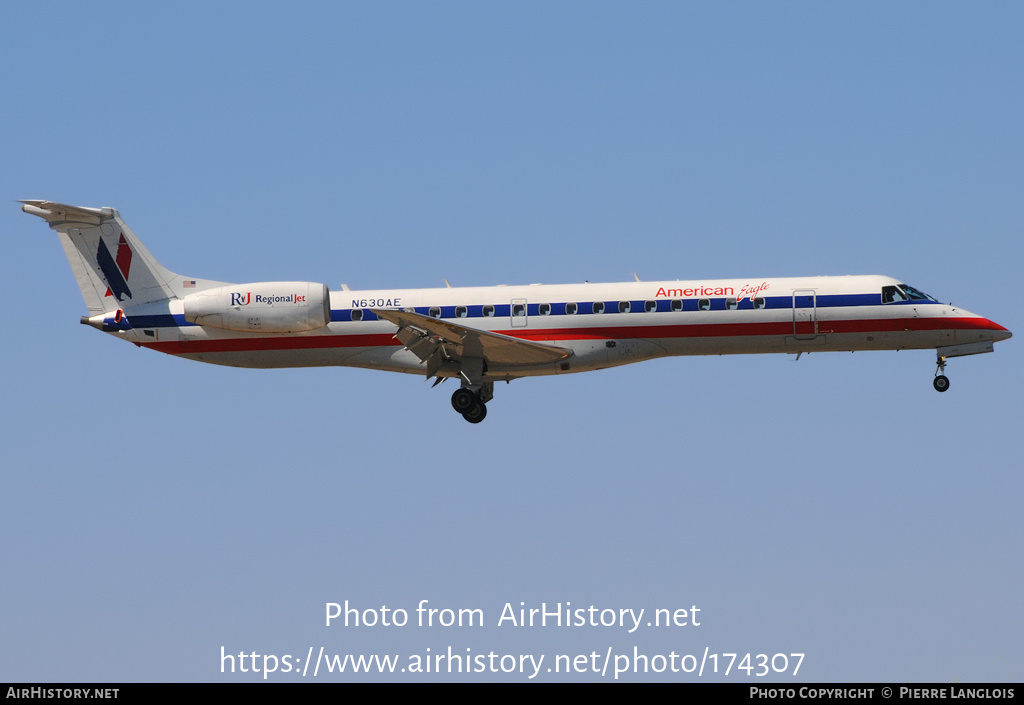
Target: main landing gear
(469, 404)
(471, 398)
(941, 381)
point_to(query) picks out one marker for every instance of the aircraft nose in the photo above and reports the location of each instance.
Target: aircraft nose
(998, 332)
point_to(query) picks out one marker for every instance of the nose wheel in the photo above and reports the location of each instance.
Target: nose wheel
(941, 381)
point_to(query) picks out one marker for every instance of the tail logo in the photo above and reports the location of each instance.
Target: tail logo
(115, 271)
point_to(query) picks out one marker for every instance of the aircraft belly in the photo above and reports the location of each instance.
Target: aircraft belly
(390, 358)
(729, 345)
(268, 359)
(823, 342)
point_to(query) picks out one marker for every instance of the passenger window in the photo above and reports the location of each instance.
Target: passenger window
(704, 304)
(488, 310)
(570, 308)
(650, 306)
(623, 307)
(677, 305)
(461, 312)
(759, 302)
(435, 311)
(518, 309)
(730, 304)
(544, 309)
(598, 307)
(357, 314)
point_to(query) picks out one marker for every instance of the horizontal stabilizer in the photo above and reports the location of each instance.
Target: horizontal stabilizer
(59, 214)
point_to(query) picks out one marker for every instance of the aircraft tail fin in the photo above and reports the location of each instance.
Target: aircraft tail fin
(113, 268)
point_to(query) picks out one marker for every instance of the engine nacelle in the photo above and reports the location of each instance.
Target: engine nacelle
(264, 307)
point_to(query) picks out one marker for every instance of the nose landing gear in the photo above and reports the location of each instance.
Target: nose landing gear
(941, 381)
(942, 354)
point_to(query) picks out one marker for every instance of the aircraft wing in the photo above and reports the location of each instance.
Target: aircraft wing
(435, 342)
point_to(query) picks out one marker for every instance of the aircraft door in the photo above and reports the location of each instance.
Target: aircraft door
(517, 312)
(805, 314)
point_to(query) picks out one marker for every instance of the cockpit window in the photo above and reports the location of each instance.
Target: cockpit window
(895, 294)
(915, 294)
(892, 294)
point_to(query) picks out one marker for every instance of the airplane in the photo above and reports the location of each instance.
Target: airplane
(483, 335)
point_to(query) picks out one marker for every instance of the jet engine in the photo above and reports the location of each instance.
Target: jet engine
(264, 307)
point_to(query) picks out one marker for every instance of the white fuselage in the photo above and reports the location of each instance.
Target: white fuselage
(602, 324)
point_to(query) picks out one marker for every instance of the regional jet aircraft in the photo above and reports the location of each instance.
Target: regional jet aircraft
(482, 335)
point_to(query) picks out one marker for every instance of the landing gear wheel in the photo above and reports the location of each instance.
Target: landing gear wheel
(476, 414)
(941, 383)
(464, 400)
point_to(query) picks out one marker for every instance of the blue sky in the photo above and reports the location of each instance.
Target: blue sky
(157, 509)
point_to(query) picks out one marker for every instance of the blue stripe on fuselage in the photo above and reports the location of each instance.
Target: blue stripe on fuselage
(663, 305)
(584, 308)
